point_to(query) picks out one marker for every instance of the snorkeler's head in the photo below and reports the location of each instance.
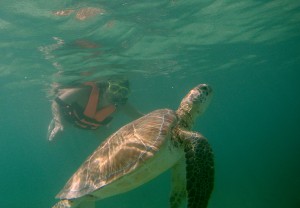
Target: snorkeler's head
(118, 90)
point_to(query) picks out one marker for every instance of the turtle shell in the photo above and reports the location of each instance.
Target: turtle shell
(121, 154)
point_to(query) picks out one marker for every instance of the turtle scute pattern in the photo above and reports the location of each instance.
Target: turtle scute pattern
(200, 171)
(121, 153)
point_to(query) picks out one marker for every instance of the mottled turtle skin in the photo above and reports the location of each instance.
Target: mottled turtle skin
(144, 149)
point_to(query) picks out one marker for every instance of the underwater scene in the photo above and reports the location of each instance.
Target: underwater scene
(73, 72)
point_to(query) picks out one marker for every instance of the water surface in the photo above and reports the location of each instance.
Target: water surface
(247, 51)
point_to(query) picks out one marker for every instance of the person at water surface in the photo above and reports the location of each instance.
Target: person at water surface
(91, 105)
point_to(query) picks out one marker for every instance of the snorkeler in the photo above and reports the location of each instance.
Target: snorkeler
(91, 105)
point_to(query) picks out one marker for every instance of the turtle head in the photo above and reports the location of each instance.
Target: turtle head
(194, 104)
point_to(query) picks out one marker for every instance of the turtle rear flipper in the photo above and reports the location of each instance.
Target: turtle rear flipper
(75, 204)
(87, 204)
(65, 204)
(199, 170)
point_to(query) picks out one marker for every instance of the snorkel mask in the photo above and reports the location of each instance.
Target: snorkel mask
(118, 91)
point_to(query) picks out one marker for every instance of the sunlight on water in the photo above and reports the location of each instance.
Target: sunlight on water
(247, 50)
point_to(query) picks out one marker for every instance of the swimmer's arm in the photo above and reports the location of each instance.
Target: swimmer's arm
(56, 125)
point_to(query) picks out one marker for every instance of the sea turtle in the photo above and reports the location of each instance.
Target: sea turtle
(142, 150)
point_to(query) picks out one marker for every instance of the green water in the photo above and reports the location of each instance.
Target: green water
(247, 51)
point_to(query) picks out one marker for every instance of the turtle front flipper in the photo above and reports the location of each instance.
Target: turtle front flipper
(199, 169)
(178, 192)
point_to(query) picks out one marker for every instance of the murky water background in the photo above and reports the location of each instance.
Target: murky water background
(248, 51)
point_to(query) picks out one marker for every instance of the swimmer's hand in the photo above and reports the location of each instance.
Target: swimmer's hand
(53, 129)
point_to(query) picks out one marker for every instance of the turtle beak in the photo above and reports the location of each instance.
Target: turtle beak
(203, 93)
(203, 98)
(204, 88)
